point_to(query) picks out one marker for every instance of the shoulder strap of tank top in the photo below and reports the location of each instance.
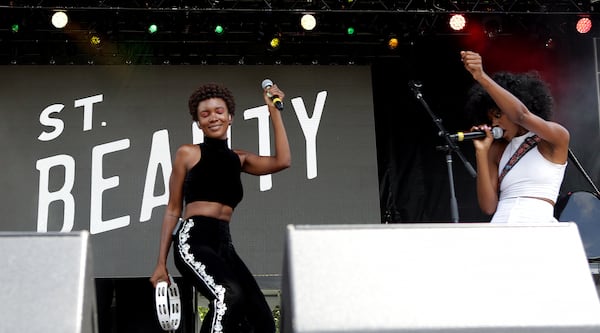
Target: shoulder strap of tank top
(527, 144)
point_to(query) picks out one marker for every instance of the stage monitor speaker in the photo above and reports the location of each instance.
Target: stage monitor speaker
(47, 283)
(437, 277)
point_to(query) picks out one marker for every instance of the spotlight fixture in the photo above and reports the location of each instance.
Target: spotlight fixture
(152, 28)
(274, 43)
(219, 30)
(392, 43)
(350, 31)
(95, 40)
(584, 25)
(59, 19)
(457, 22)
(308, 22)
(14, 27)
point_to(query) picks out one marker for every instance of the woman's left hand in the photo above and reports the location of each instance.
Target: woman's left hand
(273, 91)
(483, 143)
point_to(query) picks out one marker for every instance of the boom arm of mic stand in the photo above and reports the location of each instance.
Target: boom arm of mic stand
(449, 148)
(438, 121)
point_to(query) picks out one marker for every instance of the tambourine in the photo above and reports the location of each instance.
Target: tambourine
(168, 305)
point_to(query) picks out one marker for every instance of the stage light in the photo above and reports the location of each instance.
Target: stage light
(274, 43)
(392, 43)
(95, 40)
(14, 28)
(457, 22)
(308, 22)
(60, 20)
(350, 31)
(219, 30)
(584, 25)
(152, 28)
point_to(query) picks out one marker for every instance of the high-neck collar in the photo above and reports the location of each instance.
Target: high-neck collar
(217, 143)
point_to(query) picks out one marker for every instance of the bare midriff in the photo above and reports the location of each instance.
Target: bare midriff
(209, 209)
(543, 199)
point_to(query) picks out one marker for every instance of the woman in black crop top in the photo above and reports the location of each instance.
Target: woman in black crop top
(207, 178)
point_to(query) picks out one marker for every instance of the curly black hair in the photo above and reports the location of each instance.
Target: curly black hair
(528, 87)
(210, 90)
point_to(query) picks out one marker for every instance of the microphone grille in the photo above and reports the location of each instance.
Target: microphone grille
(497, 132)
(266, 83)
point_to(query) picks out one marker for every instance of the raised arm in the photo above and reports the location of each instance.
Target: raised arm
(555, 137)
(282, 159)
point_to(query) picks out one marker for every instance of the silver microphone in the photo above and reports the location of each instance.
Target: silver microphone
(266, 85)
(497, 133)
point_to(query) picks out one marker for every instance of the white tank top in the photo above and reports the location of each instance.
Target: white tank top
(532, 176)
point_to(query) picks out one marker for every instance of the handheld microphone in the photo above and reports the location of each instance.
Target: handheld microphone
(497, 133)
(266, 85)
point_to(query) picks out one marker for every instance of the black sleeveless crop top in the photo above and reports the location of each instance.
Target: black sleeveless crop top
(216, 177)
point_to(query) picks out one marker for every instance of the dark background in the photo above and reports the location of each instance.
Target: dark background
(413, 175)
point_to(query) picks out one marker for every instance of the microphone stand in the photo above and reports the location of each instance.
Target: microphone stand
(574, 159)
(449, 148)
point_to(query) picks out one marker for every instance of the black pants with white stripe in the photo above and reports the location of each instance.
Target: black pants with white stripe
(204, 253)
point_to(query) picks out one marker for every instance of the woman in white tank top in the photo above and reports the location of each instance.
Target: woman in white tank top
(516, 181)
